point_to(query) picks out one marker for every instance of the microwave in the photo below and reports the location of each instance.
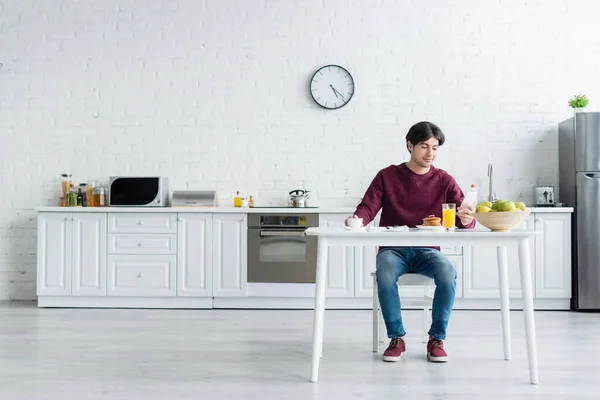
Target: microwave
(138, 191)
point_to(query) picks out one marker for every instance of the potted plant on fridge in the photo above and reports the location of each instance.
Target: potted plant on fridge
(579, 102)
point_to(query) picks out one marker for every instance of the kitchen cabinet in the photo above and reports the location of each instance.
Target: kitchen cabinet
(194, 255)
(71, 254)
(553, 256)
(185, 259)
(480, 266)
(230, 255)
(141, 275)
(340, 270)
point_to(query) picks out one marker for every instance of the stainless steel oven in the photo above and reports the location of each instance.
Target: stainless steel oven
(278, 249)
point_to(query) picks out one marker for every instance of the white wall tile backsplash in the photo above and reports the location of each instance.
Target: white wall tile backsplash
(214, 94)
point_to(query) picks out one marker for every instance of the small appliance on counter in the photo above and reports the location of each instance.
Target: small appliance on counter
(138, 191)
(194, 198)
(544, 196)
(298, 198)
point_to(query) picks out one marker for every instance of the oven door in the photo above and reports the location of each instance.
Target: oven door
(281, 256)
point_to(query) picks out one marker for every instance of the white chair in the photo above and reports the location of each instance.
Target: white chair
(409, 279)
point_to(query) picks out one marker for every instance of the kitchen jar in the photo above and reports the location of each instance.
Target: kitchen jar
(65, 182)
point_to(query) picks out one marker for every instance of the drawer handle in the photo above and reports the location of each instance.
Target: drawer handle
(140, 275)
(140, 222)
(140, 243)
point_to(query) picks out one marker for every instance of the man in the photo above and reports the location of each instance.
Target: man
(407, 193)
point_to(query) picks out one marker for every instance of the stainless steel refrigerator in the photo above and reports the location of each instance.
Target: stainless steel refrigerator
(579, 187)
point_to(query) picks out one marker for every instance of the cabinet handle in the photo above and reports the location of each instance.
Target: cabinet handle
(140, 222)
(179, 219)
(140, 243)
(140, 275)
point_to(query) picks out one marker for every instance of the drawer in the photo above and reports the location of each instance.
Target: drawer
(152, 243)
(142, 223)
(141, 275)
(451, 250)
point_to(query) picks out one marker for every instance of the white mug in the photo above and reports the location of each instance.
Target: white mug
(355, 223)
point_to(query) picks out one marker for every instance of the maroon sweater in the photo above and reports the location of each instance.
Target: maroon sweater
(407, 198)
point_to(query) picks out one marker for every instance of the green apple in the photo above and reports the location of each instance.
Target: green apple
(506, 206)
(485, 203)
(520, 205)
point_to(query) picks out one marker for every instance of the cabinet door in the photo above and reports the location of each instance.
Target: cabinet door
(230, 255)
(553, 256)
(54, 236)
(194, 255)
(480, 268)
(340, 261)
(141, 275)
(89, 254)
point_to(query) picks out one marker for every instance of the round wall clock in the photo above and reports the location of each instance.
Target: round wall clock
(332, 87)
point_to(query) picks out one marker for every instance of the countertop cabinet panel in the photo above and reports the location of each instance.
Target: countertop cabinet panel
(553, 256)
(54, 258)
(89, 254)
(194, 255)
(230, 255)
(142, 222)
(71, 254)
(141, 275)
(340, 270)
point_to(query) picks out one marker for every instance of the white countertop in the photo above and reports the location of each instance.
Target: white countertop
(225, 210)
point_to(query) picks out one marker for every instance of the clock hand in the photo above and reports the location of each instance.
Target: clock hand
(334, 91)
(338, 93)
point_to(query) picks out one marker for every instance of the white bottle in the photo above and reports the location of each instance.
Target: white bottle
(471, 197)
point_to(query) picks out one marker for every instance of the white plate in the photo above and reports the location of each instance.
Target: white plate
(361, 229)
(431, 228)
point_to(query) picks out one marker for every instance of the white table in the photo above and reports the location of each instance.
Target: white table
(418, 238)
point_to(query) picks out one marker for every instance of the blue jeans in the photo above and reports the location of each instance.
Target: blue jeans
(394, 262)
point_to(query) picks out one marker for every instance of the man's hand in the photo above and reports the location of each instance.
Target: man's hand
(465, 214)
(352, 216)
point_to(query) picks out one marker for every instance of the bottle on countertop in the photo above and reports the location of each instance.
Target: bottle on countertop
(237, 200)
(470, 197)
(251, 202)
(79, 197)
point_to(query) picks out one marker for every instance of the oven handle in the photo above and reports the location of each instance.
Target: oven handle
(282, 233)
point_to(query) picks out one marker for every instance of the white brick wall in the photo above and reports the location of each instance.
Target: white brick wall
(214, 94)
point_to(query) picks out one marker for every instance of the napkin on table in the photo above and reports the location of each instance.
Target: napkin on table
(403, 228)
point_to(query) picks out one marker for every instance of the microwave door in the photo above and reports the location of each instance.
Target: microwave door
(133, 192)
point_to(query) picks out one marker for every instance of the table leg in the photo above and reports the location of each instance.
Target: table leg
(504, 303)
(526, 287)
(319, 313)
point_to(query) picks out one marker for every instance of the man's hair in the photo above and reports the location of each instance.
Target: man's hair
(422, 132)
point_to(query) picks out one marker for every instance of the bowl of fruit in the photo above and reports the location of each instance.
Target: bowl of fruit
(502, 216)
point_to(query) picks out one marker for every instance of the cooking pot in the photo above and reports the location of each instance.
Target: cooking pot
(298, 198)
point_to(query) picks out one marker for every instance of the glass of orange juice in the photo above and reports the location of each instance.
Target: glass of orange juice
(448, 215)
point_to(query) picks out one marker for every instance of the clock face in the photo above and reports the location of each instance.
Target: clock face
(332, 87)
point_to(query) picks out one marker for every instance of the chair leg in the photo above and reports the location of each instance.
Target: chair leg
(375, 316)
(425, 322)
(428, 299)
(381, 328)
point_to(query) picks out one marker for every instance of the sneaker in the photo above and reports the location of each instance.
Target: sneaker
(394, 350)
(435, 351)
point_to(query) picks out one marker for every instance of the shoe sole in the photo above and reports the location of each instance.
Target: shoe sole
(392, 358)
(437, 359)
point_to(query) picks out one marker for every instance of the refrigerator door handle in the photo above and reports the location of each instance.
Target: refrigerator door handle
(592, 175)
